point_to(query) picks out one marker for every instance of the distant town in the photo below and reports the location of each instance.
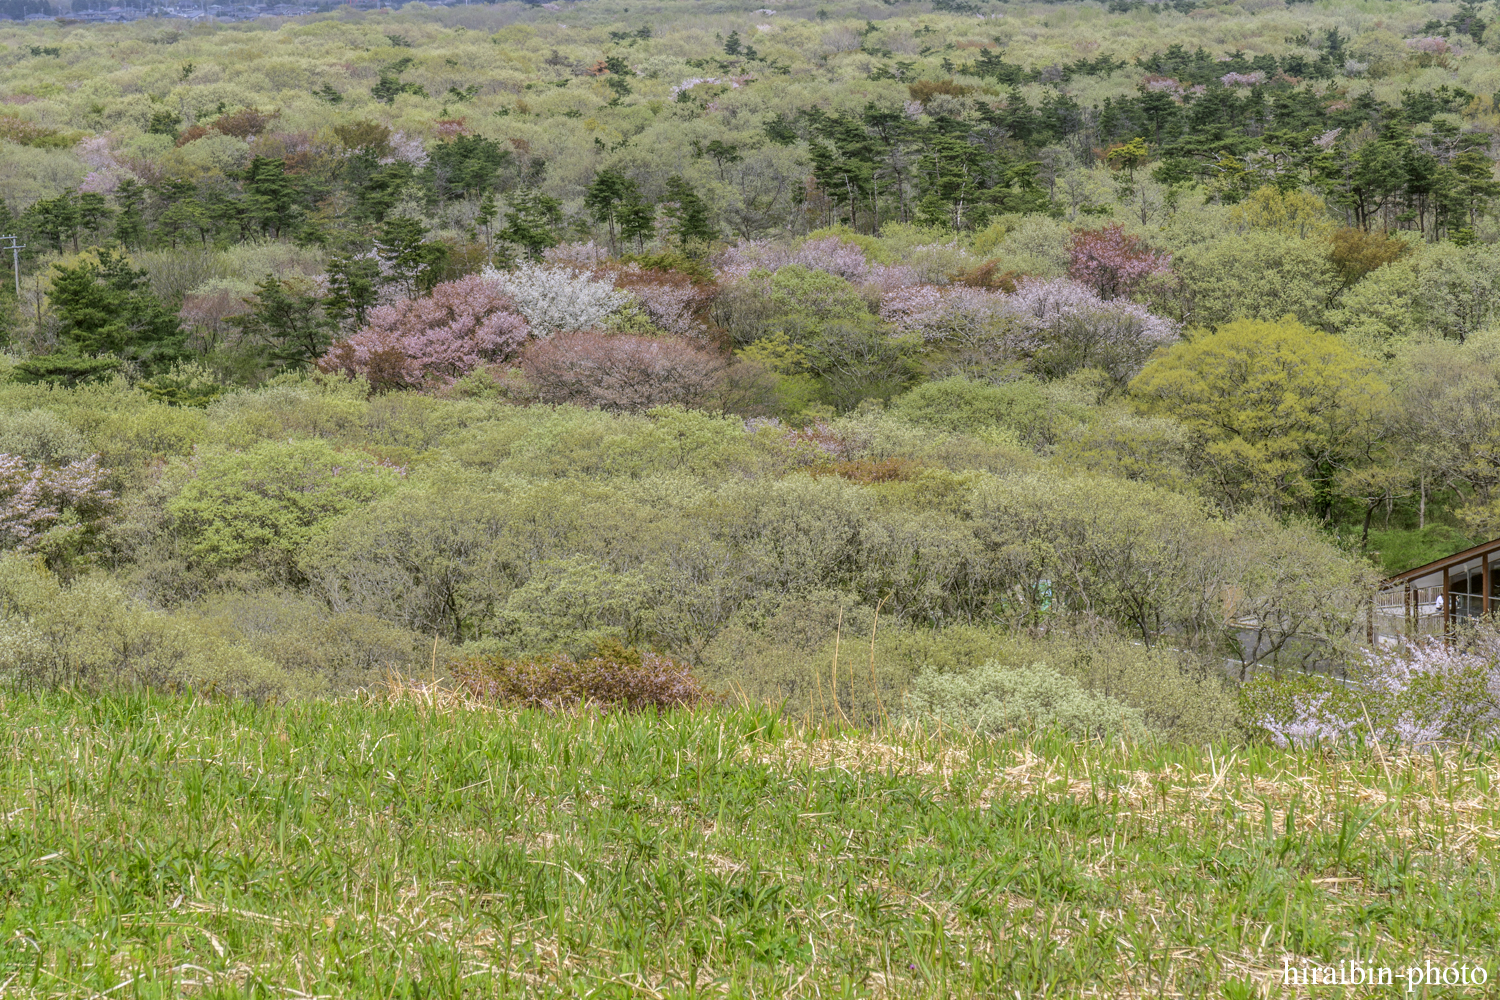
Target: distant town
(210, 12)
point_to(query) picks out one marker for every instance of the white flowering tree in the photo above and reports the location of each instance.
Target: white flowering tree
(555, 298)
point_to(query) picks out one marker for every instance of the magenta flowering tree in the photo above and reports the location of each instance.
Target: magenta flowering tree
(1112, 262)
(435, 339)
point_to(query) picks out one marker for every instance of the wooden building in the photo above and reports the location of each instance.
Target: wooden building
(1432, 599)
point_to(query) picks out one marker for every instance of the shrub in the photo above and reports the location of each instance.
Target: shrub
(1429, 691)
(40, 436)
(616, 677)
(264, 505)
(328, 651)
(437, 338)
(621, 371)
(958, 404)
(95, 636)
(555, 299)
(994, 699)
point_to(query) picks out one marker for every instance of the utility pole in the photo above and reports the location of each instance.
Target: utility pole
(15, 248)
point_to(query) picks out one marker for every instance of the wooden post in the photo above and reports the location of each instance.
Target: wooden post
(1447, 603)
(1486, 584)
(1410, 611)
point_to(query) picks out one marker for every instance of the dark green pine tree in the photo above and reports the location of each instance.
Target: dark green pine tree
(109, 314)
(290, 326)
(353, 288)
(531, 224)
(690, 216)
(607, 197)
(414, 262)
(272, 198)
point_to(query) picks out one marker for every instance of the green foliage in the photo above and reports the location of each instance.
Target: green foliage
(1262, 275)
(40, 436)
(1401, 549)
(1277, 408)
(353, 288)
(94, 636)
(329, 652)
(272, 197)
(264, 505)
(994, 699)
(466, 166)
(958, 404)
(289, 324)
(184, 384)
(532, 221)
(106, 307)
(415, 261)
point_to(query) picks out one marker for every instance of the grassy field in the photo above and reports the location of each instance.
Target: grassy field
(154, 847)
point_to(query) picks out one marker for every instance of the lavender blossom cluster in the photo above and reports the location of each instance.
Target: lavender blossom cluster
(1420, 693)
(36, 499)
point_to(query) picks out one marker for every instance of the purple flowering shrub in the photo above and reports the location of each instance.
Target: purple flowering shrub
(1420, 693)
(615, 677)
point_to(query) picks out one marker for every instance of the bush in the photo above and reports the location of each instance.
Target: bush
(958, 404)
(330, 652)
(994, 698)
(56, 511)
(622, 372)
(615, 677)
(40, 436)
(1429, 691)
(93, 635)
(264, 505)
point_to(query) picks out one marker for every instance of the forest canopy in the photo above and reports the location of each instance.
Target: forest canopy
(517, 329)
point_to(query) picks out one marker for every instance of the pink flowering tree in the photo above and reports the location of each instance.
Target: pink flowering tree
(1052, 328)
(621, 372)
(435, 339)
(1072, 328)
(1112, 262)
(670, 299)
(829, 254)
(53, 510)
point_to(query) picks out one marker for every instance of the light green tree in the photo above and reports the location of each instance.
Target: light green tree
(1278, 411)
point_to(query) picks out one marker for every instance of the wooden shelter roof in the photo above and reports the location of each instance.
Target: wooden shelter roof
(1437, 565)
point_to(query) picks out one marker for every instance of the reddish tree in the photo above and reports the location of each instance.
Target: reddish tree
(622, 372)
(1112, 262)
(672, 300)
(245, 122)
(434, 339)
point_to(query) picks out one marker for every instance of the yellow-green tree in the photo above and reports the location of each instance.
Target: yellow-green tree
(1280, 412)
(1290, 213)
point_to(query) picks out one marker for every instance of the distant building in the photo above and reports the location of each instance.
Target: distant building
(1432, 599)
